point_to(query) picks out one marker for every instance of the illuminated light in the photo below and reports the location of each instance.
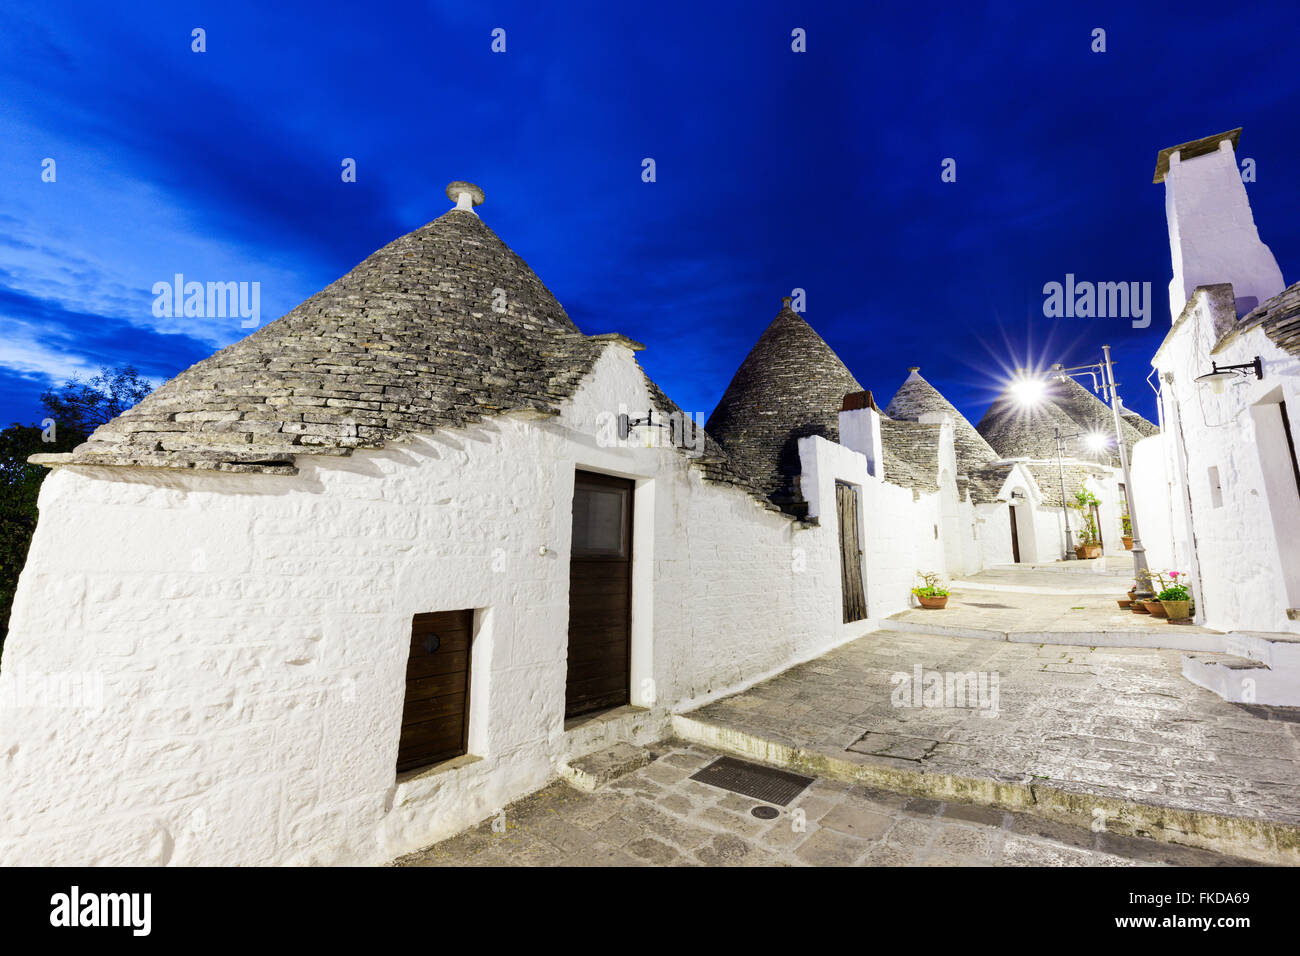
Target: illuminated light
(1028, 391)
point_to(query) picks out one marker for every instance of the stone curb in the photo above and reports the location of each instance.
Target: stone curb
(1261, 840)
(1175, 640)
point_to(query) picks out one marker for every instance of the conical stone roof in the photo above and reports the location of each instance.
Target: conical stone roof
(1091, 414)
(1016, 431)
(407, 342)
(917, 397)
(1143, 426)
(790, 385)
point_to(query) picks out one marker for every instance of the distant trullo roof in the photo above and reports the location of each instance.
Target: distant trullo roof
(1142, 426)
(790, 385)
(1018, 431)
(407, 342)
(917, 397)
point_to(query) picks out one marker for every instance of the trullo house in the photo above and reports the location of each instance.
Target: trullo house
(360, 579)
(1224, 466)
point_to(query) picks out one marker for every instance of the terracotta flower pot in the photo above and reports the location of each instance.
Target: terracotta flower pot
(933, 603)
(1139, 608)
(1128, 543)
(1124, 602)
(1085, 552)
(1155, 608)
(1177, 610)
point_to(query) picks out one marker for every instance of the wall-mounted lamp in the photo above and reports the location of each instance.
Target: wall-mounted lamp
(626, 424)
(1220, 375)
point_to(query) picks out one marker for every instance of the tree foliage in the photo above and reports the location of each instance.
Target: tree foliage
(73, 412)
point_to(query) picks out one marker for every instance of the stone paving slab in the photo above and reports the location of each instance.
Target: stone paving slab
(1077, 732)
(1114, 574)
(657, 816)
(1000, 613)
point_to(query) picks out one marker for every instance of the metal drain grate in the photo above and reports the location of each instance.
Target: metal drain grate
(753, 780)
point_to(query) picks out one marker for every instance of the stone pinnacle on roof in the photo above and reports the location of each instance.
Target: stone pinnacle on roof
(465, 195)
(790, 385)
(917, 397)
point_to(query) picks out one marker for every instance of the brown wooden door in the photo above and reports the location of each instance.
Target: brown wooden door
(1015, 535)
(600, 595)
(855, 601)
(435, 718)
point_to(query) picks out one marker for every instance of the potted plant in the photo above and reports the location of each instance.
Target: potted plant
(1156, 583)
(1154, 607)
(931, 592)
(1176, 599)
(1089, 538)
(1127, 537)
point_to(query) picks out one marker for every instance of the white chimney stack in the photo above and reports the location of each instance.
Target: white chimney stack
(1212, 234)
(860, 430)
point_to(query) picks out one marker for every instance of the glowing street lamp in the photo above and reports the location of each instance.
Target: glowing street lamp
(1028, 390)
(1097, 441)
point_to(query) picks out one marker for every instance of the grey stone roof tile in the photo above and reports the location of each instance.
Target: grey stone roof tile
(790, 385)
(917, 397)
(406, 342)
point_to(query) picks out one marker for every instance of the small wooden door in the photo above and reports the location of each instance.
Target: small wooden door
(600, 595)
(435, 718)
(1015, 535)
(855, 601)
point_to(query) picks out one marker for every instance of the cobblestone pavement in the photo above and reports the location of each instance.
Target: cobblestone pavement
(1121, 723)
(657, 816)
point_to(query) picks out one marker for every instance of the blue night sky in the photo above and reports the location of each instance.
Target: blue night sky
(775, 169)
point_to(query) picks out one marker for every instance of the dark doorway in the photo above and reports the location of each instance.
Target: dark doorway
(435, 717)
(855, 601)
(600, 595)
(1015, 535)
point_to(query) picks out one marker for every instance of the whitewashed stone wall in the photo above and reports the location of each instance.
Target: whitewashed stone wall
(1157, 496)
(898, 529)
(251, 634)
(1248, 523)
(1212, 234)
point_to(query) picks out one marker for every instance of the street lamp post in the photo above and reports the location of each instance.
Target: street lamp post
(1065, 511)
(1141, 574)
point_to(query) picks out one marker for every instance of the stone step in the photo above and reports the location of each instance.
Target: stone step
(1253, 838)
(1244, 680)
(597, 769)
(1276, 650)
(1166, 638)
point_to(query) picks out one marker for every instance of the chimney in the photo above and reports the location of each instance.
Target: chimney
(860, 429)
(1212, 235)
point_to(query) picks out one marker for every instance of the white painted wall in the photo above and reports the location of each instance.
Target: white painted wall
(898, 530)
(1156, 497)
(251, 634)
(1212, 234)
(1240, 533)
